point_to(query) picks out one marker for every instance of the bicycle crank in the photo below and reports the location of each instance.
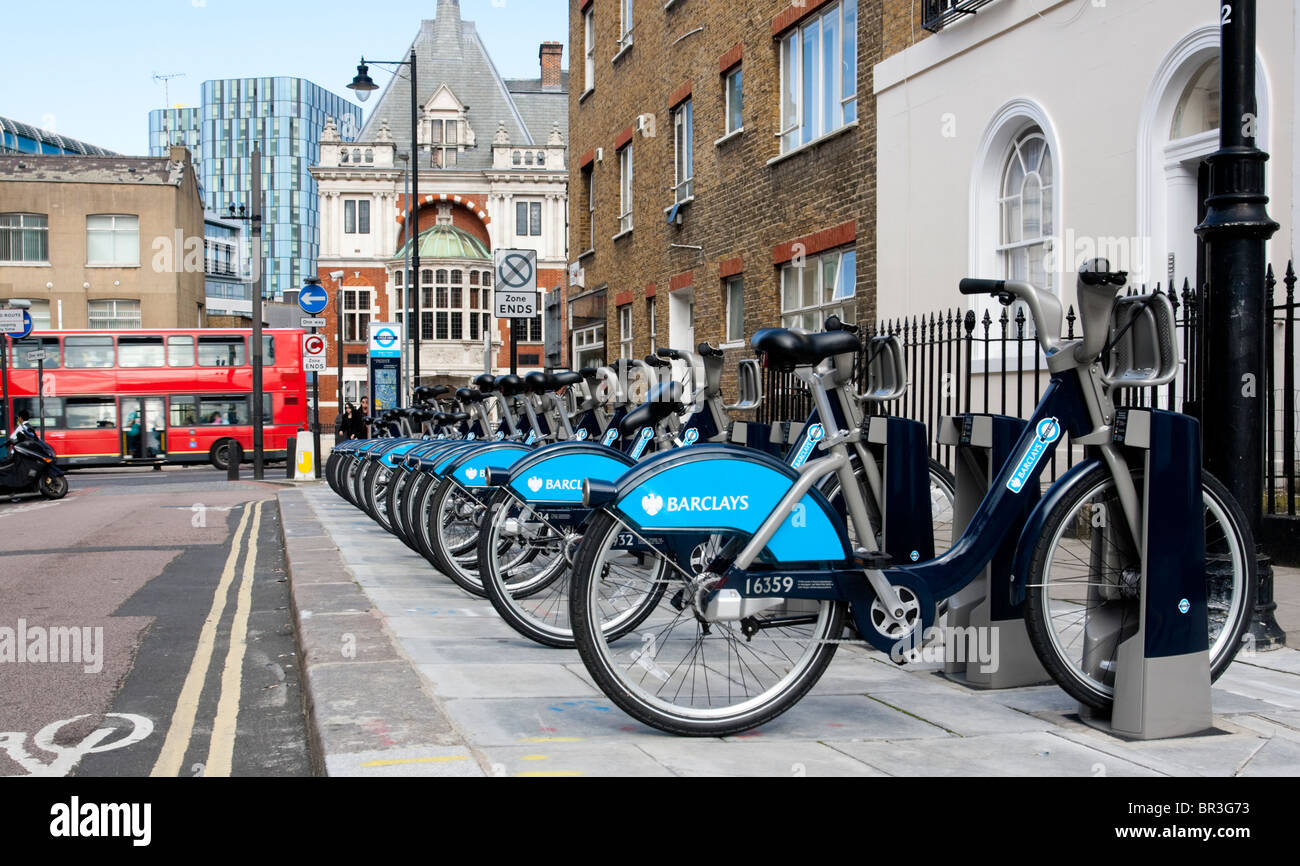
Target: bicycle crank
(902, 621)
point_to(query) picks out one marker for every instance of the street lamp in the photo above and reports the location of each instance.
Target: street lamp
(364, 85)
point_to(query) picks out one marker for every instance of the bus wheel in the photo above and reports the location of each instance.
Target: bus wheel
(219, 456)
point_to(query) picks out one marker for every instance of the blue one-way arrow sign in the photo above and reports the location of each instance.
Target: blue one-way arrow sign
(313, 300)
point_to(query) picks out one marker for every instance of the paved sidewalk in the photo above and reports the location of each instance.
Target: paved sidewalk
(407, 675)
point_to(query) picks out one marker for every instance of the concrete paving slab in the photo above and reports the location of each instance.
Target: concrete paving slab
(843, 717)
(1275, 687)
(505, 681)
(964, 715)
(490, 648)
(707, 757)
(423, 761)
(1285, 660)
(519, 721)
(1034, 753)
(546, 760)
(363, 706)
(1213, 754)
(1278, 757)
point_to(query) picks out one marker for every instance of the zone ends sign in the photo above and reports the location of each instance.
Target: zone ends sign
(516, 284)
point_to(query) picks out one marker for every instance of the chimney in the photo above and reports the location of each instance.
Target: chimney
(180, 154)
(552, 53)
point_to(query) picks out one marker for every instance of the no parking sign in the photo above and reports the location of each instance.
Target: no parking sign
(313, 353)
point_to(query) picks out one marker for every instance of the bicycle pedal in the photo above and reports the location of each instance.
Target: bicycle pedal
(878, 561)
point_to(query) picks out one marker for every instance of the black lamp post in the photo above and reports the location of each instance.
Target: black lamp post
(364, 86)
(255, 220)
(1235, 367)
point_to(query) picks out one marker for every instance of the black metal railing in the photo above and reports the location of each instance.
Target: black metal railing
(959, 361)
(939, 13)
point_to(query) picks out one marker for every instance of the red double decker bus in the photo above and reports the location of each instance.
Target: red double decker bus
(155, 397)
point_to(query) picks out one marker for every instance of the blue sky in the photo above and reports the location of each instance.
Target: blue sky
(85, 67)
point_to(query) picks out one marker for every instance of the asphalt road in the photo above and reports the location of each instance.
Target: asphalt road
(145, 630)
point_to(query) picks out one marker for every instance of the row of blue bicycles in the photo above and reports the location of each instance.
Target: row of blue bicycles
(708, 568)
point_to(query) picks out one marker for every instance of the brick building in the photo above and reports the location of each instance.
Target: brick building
(707, 201)
(492, 162)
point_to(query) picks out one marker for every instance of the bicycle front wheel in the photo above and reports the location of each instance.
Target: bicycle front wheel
(1084, 585)
(677, 672)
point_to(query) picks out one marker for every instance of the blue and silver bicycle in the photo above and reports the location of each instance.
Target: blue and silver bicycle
(740, 640)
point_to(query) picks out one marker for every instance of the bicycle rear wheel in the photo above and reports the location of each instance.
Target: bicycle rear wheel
(1083, 585)
(677, 672)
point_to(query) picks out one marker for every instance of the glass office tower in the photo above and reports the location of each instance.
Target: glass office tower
(175, 126)
(286, 117)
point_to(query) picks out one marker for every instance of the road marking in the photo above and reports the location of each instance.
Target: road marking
(172, 756)
(29, 508)
(221, 746)
(445, 760)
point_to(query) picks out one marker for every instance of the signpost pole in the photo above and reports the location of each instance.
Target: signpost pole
(315, 418)
(4, 375)
(514, 347)
(40, 388)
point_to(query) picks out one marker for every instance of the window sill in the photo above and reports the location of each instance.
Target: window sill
(730, 136)
(621, 52)
(25, 265)
(584, 254)
(120, 267)
(814, 143)
(688, 200)
(734, 344)
(621, 235)
(585, 94)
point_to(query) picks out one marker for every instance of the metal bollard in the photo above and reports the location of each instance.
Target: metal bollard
(236, 457)
(290, 457)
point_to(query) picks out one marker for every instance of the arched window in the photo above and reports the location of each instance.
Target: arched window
(1198, 107)
(398, 278)
(457, 278)
(541, 158)
(528, 158)
(370, 155)
(473, 278)
(356, 155)
(426, 277)
(442, 277)
(516, 158)
(1026, 205)
(343, 156)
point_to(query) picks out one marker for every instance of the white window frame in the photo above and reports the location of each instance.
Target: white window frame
(591, 208)
(532, 208)
(356, 321)
(356, 207)
(625, 331)
(626, 24)
(1007, 249)
(18, 233)
(123, 314)
(735, 74)
(626, 169)
(802, 126)
(812, 316)
(730, 284)
(684, 151)
(589, 34)
(114, 230)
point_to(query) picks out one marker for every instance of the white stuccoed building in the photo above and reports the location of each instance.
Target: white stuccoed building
(1023, 138)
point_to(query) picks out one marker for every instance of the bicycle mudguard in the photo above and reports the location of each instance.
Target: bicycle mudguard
(725, 489)
(394, 455)
(554, 474)
(432, 459)
(1036, 524)
(470, 469)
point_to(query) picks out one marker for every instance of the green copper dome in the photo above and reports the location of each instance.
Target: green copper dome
(448, 242)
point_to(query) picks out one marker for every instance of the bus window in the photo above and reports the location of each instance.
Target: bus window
(184, 412)
(32, 405)
(222, 352)
(224, 411)
(139, 352)
(89, 413)
(18, 355)
(84, 353)
(268, 349)
(180, 351)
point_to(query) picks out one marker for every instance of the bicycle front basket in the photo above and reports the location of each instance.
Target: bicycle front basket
(1143, 346)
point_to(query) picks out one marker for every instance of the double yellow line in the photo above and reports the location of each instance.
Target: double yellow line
(221, 745)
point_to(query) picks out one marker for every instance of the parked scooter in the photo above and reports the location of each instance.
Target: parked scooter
(29, 466)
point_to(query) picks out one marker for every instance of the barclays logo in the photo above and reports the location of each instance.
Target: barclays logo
(653, 503)
(536, 484)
